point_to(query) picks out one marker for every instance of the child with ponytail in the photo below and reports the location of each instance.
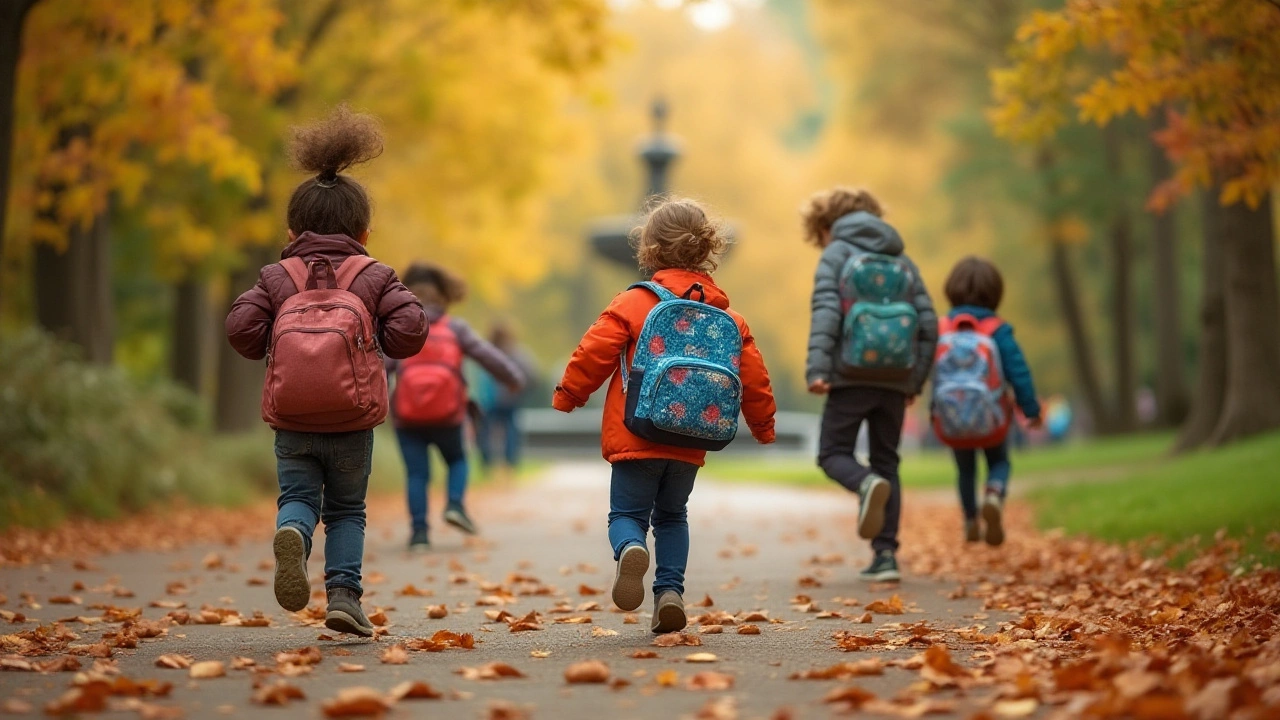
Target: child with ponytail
(323, 317)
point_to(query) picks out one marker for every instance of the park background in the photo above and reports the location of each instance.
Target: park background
(1117, 166)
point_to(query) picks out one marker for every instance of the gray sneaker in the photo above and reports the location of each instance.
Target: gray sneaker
(345, 615)
(883, 568)
(668, 613)
(972, 531)
(456, 516)
(874, 492)
(993, 516)
(419, 541)
(628, 583)
(293, 590)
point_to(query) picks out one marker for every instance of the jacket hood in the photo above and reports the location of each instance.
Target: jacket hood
(980, 313)
(679, 282)
(866, 231)
(331, 246)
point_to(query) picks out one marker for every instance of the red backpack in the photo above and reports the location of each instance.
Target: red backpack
(324, 369)
(430, 389)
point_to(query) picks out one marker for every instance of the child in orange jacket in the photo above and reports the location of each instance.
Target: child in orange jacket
(652, 479)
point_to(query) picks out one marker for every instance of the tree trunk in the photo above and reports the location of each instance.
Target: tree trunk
(12, 14)
(191, 333)
(1252, 403)
(1121, 231)
(1081, 341)
(1171, 388)
(239, 398)
(74, 300)
(1211, 381)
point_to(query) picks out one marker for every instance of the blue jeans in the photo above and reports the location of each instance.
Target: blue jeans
(415, 446)
(324, 476)
(998, 469)
(657, 492)
(506, 421)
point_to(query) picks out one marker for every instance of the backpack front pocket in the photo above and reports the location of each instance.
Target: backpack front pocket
(880, 336)
(694, 398)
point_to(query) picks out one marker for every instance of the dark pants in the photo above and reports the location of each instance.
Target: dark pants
(998, 469)
(653, 491)
(324, 477)
(415, 448)
(842, 417)
(502, 420)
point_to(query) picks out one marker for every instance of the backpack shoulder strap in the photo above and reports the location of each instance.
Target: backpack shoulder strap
(653, 287)
(351, 268)
(989, 326)
(298, 272)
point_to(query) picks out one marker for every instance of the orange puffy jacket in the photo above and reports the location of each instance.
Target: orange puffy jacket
(616, 331)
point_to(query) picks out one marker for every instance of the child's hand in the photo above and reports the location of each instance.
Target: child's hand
(1035, 423)
(819, 387)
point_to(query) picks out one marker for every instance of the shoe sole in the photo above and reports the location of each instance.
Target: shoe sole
(993, 515)
(882, 576)
(871, 519)
(628, 584)
(293, 590)
(420, 548)
(342, 622)
(469, 529)
(671, 618)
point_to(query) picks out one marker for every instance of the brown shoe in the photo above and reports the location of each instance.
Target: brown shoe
(668, 613)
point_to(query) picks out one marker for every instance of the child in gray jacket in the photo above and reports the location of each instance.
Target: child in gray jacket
(872, 336)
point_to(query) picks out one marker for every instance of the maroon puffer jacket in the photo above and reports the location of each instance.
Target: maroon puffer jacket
(402, 324)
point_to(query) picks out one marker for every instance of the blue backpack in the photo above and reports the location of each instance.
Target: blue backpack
(880, 323)
(683, 387)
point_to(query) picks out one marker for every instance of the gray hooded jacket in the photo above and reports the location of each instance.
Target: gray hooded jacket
(853, 234)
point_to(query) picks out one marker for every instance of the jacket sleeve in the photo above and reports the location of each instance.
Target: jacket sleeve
(402, 323)
(1016, 371)
(825, 313)
(496, 362)
(248, 324)
(595, 359)
(926, 334)
(757, 394)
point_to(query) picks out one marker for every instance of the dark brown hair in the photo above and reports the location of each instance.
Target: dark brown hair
(974, 281)
(330, 203)
(451, 287)
(822, 209)
(678, 234)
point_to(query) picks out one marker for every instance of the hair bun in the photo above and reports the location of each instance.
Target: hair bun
(327, 147)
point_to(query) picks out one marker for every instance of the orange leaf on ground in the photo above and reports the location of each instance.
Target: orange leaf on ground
(843, 671)
(892, 606)
(749, 630)
(395, 655)
(677, 638)
(706, 601)
(414, 690)
(710, 680)
(644, 655)
(356, 702)
(489, 671)
(436, 612)
(853, 697)
(277, 693)
(173, 662)
(587, 671)
(208, 669)
(585, 589)
(350, 668)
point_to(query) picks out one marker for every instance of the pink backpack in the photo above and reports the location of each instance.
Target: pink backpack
(324, 369)
(430, 389)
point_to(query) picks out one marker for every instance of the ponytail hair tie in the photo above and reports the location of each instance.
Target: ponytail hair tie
(327, 180)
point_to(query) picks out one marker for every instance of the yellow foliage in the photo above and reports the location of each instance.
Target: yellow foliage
(1212, 64)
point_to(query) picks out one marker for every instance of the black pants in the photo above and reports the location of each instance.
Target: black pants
(883, 411)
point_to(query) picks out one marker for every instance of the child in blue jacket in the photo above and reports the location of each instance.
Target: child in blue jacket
(975, 288)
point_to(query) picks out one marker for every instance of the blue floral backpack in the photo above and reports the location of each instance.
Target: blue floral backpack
(683, 387)
(880, 323)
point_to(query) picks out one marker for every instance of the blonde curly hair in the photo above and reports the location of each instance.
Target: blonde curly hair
(822, 209)
(678, 234)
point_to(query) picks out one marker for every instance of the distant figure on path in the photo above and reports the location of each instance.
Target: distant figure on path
(501, 406)
(320, 316)
(979, 362)
(871, 339)
(430, 403)
(682, 365)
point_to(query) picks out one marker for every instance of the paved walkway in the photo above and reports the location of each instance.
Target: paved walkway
(754, 549)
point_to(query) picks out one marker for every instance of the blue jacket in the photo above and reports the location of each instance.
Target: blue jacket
(1012, 363)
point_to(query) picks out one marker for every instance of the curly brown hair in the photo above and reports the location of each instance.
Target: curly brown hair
(974, 281)
(452, 288)
(678, 234)
(330, 203)
(822, 209)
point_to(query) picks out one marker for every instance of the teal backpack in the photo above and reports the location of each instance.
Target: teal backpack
(880, 322)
